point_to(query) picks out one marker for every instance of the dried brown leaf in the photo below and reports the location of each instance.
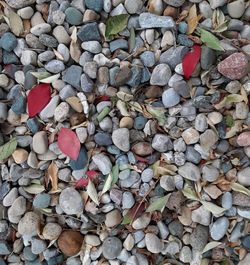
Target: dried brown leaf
(52, 174)
(192, 19)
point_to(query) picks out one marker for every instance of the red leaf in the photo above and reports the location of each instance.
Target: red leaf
(101, 98)
(92, 174)
(81, 183)
(69, 143)
(38, 98)
(190, 61)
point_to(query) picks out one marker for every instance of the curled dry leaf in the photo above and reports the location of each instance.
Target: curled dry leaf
(238, 187)
(52, 174)
(211, 245)
(74, 49)
(192, 19)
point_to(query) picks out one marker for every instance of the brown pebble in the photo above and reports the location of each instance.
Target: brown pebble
(170, 11)
(153, 92)
(76, 119)
(142, 149)
(126, 122)
(244, 139)
(20, 155)
(70, 242)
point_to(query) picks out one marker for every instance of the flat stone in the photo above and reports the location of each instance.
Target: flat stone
(70, 201)
(162, 143)
(153, 243)
(112, 246)
(89, 32)
(40, 142)
(160, 75)
(29, 224)
(170, 98)
(52, 231)
(219, 228)
(190, 171)
(149, 20)
(113, 218)
(236, 8)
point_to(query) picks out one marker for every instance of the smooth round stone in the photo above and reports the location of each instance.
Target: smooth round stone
(8, 41)
(160, 75)
(127, 200)
(120, 138)
(190, 136)
(38, 246)
(28, 255)
(92, 46)
(201, 122)
(70, 201)
(126, 122)
(55, 66)
(227, 200)
(29, 224)
(40, 142)
(147, 175)
(39, 29)
(153, 243)
(17, 209)
(112, 247)
(52, 231)
(103, 139)
(175, 3)
(219, 228)
(95, 5)
(41, 200)
(161, 143)
(246, 242)
(182, 27)
(139, 122)
(244, 177)
(10, 197)
(170, 98)
(148, 58)
(73, 16)
(190, 171)
(236, 9)
(92, 240)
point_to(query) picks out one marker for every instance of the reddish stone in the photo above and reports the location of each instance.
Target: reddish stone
(244, 139)
(234, 66)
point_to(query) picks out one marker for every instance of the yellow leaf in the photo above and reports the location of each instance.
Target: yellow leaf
(192, 19)
(52, 174)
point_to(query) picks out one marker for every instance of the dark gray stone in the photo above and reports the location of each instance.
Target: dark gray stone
(89, 32)
(72, 76)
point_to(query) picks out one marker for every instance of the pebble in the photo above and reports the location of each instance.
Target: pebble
(244, 139)
(51, 231)
(127, 200)
(170, 98)
(227, 200)
(73, 16)
(70, 201)
(29, 224)
(141, 222)
(39, 29)
(120, 138)
(95, 5)
(190, 136)
(189, 171)
(153, 243)
(148, 20)
(243, 177)
(219, 228)
(234, 66)
(236, 9)
(161, 143)
(41, 200)
(103, 163)
(199, 237)
(89, 32)
(55, 66)
(8, 41)
(112, 247)
(160, 75)
(40, 142)
(201, 216)
(38, 246)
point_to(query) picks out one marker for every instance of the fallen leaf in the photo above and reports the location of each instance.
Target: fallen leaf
(210, 40)
(213, 208)
(134, 213)
(158, 204)
(238, 187)
(116, 24)
(189, 193)
(8, 148)
(229, 121)
(115, 174)
(234, 130)
(192, 19)
(74, 48)
(38, 98)
(211, 245)
(162, 168)
(158, 113)
(232, 98)
(190, 61)
(107, 184)
(49, 79)
(58, 55)
(81, 183)
(69, 143)
(91, 190)
(52, 174)
(34, 189)
(40, 75)
(219, 22)
(14, 21)
(124, 96)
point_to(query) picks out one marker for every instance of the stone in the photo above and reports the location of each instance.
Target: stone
(20, 155)
(72, 76)
(141, 222)
(199, 237)
(149, 20)
(87, 84)
(61, 35)
(81, 161)
(61, 112)
(55, 66)
(40, 142)
(190, 136)
(70, 242)
(142, 149)
(51, 231)
(244, 139)
(70, 201)
(112, 247)
(133, 7)
(41, 200)
(49, 110)
(89, 32)
(153, 243)
(17, 209)
(48, 40)
(162, 143)
(95, 5)
(38, 246)
(5, 248)
(219, 228)
(208, 57)
(120, 138)
(29, 224)
(10, 197)
(17, 4)
(244, 177)
(210, 173)
(189, 171)
(201, 216)
(103, 163)
(216, 3)
(148, 59)
(227, 200)
(127, 200)
(113, 218)
(236, 9)
(28, 255)
(234, 66)
(208, 139)
(246, 260)
(175, 3)
(170, 98)
(73, 16)
(160, 75)
(39, 29)
(8, 41)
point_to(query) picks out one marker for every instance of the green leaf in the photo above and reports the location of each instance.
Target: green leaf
(108, 183)
(50, 79)
(213, 208)
(238, 187)
(34, 189)
(211, 245)
(91, 190)
(7, 149)
(40, 75)
(115, 174)
(229, 121)
(116, 24)
(232, 98)
(189, 193)
(210, 40)
(159, 204)
(158, 113)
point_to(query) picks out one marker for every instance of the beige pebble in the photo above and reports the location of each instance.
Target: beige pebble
(20, 155)
(75, 104)
(126, 122)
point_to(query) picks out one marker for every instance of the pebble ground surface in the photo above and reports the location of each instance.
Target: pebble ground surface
(162, 173)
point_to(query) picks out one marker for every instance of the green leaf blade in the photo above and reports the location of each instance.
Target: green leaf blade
(210, 40)
(159, 204)
(116, 24)
(8, 148)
